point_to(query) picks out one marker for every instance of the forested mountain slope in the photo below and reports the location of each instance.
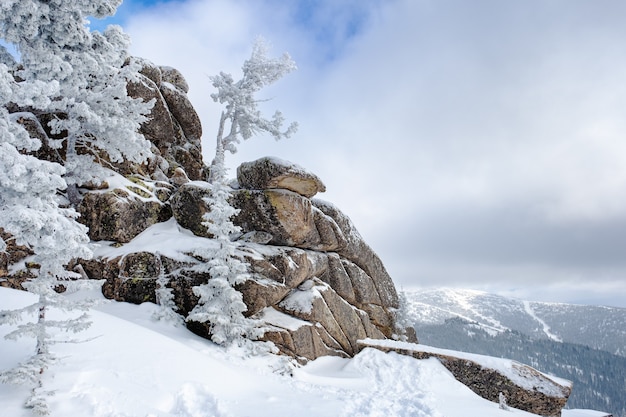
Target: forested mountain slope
(559, 339)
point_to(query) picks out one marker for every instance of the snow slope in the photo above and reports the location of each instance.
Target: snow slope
(136, 366)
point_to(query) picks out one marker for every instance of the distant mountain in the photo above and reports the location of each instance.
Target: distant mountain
(585, 344)
(602, 328)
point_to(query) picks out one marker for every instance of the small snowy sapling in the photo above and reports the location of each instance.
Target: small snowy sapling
(502, 402)
(165, 298)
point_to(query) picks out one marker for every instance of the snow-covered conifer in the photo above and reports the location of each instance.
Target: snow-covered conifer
(241, 111)
(79, 77)
(220, 304)
(93, 112)
(165, 299)
(31, 214)
(502, 402)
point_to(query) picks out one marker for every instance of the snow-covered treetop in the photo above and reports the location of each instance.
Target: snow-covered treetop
(90, 73)
(241, 105)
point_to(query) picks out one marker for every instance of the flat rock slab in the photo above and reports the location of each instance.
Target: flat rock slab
(524, 387)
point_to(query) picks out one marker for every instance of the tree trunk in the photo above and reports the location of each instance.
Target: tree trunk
(72, 188)
(42, 335)
(217, 166)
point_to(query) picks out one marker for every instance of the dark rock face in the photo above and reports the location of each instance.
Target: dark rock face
(182, 111)
(188, 207)
(116, 215)
(13, 254)
(174, 126)
(174, 77)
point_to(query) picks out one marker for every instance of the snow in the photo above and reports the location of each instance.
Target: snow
(463, 298)
(509, 368)
(276, 318)
(544, 325)
(179, 241)
(135, 366)
(301, 299)
(117, 181)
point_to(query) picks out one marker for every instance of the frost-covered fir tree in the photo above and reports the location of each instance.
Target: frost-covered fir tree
(220, 304)
(93, 112)
(402, 318)
(79, 78)
(241, 116)
(30, 213)
(165, 298)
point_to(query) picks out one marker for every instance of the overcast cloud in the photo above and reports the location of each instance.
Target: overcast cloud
(476, 144)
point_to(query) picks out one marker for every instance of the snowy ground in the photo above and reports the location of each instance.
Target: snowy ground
(138, 367)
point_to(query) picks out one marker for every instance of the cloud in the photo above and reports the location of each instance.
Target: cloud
(477, 143)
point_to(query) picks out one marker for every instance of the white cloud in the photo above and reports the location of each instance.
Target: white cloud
(415, 112)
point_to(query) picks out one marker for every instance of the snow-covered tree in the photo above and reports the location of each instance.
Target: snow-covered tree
(241, 115)
(220, 304)
(93, 112)
(165, 298)
(31, 214)
(502, 402)
(79, 78)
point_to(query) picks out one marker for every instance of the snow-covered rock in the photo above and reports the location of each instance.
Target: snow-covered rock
(524, 387)
(120, 214)
(173, 126)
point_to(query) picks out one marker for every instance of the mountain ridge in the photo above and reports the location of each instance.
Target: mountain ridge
(604, 327)
(541, 334)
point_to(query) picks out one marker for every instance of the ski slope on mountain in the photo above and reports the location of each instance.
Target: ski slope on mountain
(581, 343)
(598, 327)
(134, 365)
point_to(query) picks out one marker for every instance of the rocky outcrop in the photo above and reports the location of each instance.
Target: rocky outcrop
(301, 243)
(174, 126)
(297, 254)
(524, 387)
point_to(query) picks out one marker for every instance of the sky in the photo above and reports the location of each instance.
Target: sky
(474, 144)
